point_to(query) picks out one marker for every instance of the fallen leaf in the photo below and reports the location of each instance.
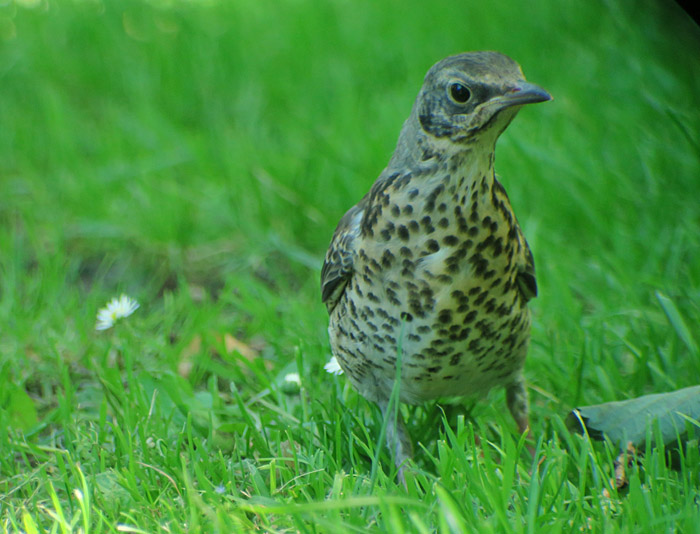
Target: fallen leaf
(184, 366)
(627, 421)
(232, 344)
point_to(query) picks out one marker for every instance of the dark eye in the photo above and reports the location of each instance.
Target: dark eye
(459, 93)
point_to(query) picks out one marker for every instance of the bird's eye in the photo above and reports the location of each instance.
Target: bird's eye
(459, 93)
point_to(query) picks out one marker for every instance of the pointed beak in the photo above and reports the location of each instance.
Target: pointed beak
(523, 93)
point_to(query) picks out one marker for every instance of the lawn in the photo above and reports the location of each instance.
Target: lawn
(197, 155)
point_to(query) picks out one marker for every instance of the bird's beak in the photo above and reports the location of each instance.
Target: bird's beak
(523, 93)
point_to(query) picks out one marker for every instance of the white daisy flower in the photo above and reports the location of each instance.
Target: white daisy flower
(333, 367)
(293, 378)
(116, 309)
(291, 385)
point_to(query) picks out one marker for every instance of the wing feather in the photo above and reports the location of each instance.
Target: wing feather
(338, 265)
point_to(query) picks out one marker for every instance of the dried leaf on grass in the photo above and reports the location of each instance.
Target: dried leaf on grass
(235, 345)
(231, 345)
(624, 461)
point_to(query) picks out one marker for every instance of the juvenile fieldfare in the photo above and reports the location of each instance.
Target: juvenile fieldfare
(431, 265)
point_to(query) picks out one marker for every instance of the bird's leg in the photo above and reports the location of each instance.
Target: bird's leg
(397, 438)
(516, 398)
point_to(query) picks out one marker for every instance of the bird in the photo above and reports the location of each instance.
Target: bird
(427, 278)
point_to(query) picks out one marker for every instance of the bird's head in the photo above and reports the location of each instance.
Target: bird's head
(472, 97)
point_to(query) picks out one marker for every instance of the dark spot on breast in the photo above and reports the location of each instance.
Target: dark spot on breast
(416, 307)
(450, 240)
(457, 255)
(497, 247)
(387, 259)
(462, 225)
(444, 222)
(491, 305)
(470, 317)
(432, 245)
(438, 189)
(445, 316)
(402, 232)
(485, 243)
(504, 310)
(406, 317)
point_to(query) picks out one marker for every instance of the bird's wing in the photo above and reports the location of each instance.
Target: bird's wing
(338, 265)
(527, 283)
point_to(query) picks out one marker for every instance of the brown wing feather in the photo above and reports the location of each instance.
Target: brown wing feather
(527, 283)
(338, 264)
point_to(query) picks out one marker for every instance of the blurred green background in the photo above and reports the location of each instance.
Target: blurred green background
(144, 144)
(197, 155)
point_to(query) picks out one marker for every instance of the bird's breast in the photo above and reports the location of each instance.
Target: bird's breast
(435, 281)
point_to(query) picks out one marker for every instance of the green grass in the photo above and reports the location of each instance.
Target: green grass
(197, 155)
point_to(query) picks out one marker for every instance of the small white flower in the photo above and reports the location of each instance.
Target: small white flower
(333, 367)
(291, 384)
(293, 378)
(116, 309)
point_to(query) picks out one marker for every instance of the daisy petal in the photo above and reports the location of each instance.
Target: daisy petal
(333, 367)
(116, 309)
